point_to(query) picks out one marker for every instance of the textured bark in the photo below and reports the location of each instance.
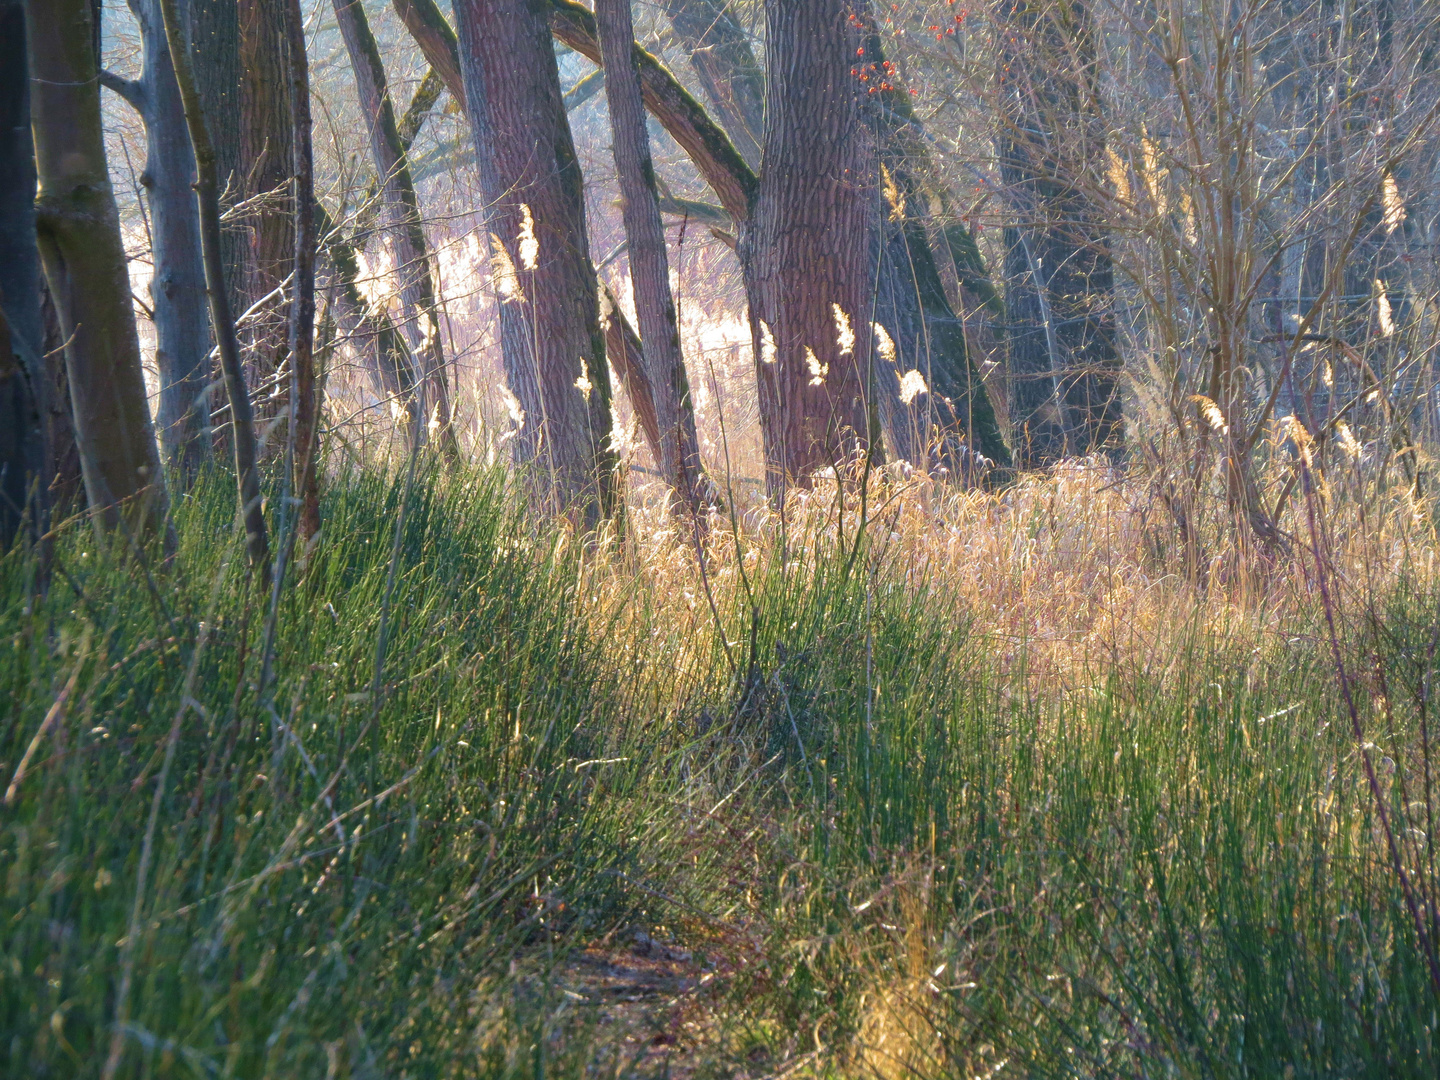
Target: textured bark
(214, 27)
(177, 289)
(912, 303)
(733, 81)
(242, 422)
(405, 229)
(679, 457)
(807, 253)
(80, 245)
(266, 156)
(553, 350)
(304, 401)
(1064, 399)
(22, 347)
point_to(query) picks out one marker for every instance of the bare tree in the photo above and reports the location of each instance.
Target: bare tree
(207, 195)
(84, 258)
(21, 334)
(679, 458)
(551, 341)
(304, 398)
(177, 288)
(807, 250)
(266, 157)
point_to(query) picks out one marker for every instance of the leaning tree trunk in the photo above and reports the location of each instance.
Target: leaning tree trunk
(78, 227)
(402, 207)
(177, 288)
(207, 196)
(266, 156)
(679, 461)
(807, 251)
(1064, 370)
(553, 349)
(22, 347)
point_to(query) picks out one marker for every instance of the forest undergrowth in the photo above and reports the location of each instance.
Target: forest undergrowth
(945, 784)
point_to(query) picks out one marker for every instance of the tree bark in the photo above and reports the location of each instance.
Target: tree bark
(266, 156)
(1064, 368)
(22, 346)
(550, 332)
(177, 289)
(406, 230)
(807, 252)
(304, 401)
(242, 422)
(214, 28)
(78, 227)
(679, 459)
(733, 81)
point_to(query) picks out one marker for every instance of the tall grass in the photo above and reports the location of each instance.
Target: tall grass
(993, 792)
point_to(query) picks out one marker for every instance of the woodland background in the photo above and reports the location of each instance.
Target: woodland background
(860, 539)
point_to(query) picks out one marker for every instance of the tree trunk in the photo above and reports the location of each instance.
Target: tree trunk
(22, 345)
(304, 402)
(720, 52)
(550, 331)
(1058, 249)
(402, 206)
(84, 258)
(242, 422)
(679, 460)
(807, 253)
(214, 27)
(911, 303)
(266, 156)
(177, 289)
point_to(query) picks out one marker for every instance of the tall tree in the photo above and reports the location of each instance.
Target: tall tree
(266, 157)
(177, 288)
(214, 33)
(304, 403)
(1064, 367)
(402, 208)
(806, 253)
(551, 341)
(207, 196)
(21, 334)
(679, 460)
(78, 227)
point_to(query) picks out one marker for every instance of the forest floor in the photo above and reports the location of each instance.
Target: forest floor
(986, 788)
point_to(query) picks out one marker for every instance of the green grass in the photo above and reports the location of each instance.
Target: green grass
(894, 857)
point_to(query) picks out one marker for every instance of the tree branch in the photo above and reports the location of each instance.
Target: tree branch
(130, 89)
